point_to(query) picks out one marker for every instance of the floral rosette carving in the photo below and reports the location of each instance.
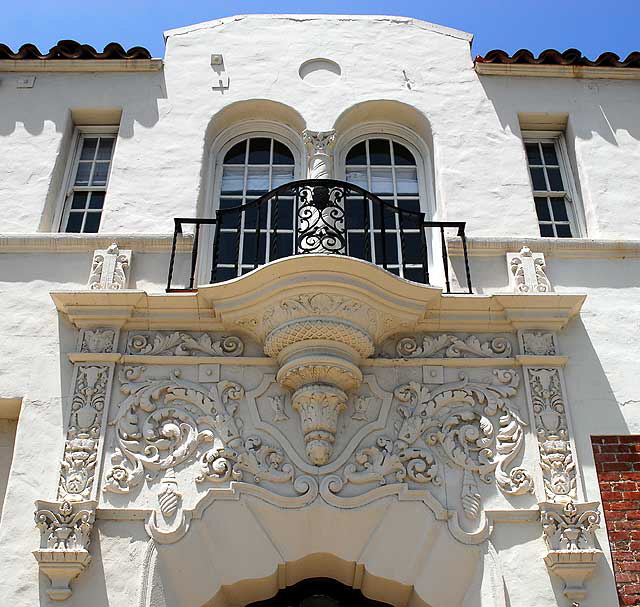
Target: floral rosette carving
(469, 425)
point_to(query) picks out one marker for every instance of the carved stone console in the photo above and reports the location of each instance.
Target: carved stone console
(65, 533)
(568, 524)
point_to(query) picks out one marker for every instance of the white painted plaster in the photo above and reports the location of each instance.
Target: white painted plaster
(170, 121)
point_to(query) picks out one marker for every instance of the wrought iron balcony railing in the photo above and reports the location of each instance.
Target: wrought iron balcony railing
(318, 216)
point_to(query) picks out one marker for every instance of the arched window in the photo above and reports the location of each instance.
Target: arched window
(250, 168)
(387, 168)
(319, 592)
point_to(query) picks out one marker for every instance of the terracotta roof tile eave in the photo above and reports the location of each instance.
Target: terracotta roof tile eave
(66, 50)
(570, 57)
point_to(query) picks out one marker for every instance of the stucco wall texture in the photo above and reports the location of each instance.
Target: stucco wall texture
(400, 72)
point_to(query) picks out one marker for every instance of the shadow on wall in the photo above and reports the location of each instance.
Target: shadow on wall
(603, 107)
(54, 95)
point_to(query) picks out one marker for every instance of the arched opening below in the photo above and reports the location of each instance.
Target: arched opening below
(319, 592)
(374, 591)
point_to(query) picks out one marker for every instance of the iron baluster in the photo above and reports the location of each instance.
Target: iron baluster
(194, 255)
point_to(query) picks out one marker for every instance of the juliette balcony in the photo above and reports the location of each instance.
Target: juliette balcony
(317, 216)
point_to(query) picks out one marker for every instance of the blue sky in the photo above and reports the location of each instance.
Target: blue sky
(592, 26)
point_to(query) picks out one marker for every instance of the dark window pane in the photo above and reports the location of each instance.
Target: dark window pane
(533, 153)
(549, 152)
(357, 155)
(563, 230)
(250, 248)
(251, 215)
(356, 209)
(555, 180)
(409, 204)
(79, 200)
(542, 209)
(227, 244)
(559, 208)
(402, 155)
(355, 245)
(92, 223)
(389, 217)
(74, 223)
(100, 173)
(236, 154)
(546, 229)
(105, 148)
(415, 274)
(224, 274)
(259, 150)
(88, 148)
(379, 151)
(82, 176)
(284, 245)
(97, 200)
(228, 203)
(537, 177)
(281, 154)
(282, 214)
(410, 221)
(391, 251)
(412, 248)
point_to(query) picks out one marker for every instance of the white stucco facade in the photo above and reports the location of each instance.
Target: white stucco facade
(437, 523)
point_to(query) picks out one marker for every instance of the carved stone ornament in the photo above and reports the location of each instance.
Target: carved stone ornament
(65, 533)
(435, 443)
(452, 346)
(556, 454)
(84, 430)
(538, 343)
(178, 343)
(527, 272)
(109, 269)
(98, 341)
(568, 532)
(319, 150)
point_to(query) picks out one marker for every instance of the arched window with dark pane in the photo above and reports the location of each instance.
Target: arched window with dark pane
(319, 592)
(251, 168)
(389, 170)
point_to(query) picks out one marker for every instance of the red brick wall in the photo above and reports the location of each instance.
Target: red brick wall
(618, 467)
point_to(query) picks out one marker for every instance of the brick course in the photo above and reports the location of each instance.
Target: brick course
(618, 466)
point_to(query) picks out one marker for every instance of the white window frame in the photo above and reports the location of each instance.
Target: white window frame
(66, 194)
(422, 155)
(219, 148)
(575, 210)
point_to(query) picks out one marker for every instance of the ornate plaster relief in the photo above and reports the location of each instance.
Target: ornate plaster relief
(109, 269)
(527, 272)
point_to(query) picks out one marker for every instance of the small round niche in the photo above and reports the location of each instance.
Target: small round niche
(320, 72)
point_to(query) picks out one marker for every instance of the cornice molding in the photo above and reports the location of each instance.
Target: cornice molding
(54, 242)
(244, 304)
(81, 65)
(557, 71)
(556, 247)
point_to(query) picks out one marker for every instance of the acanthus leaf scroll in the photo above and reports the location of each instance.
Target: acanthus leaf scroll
(170, 423)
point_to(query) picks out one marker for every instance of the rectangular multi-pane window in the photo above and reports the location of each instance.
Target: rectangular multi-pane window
(88, 179)
(550, 181)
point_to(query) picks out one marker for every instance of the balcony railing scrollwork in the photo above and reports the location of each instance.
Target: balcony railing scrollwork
(321, 216)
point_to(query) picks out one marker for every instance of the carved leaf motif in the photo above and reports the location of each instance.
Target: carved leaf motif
(183, 344)
(456, 419)
(162, 423)
(454, 346)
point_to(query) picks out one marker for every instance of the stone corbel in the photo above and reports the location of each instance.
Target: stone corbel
(527, 272)
(568, 532)
(65, 533)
